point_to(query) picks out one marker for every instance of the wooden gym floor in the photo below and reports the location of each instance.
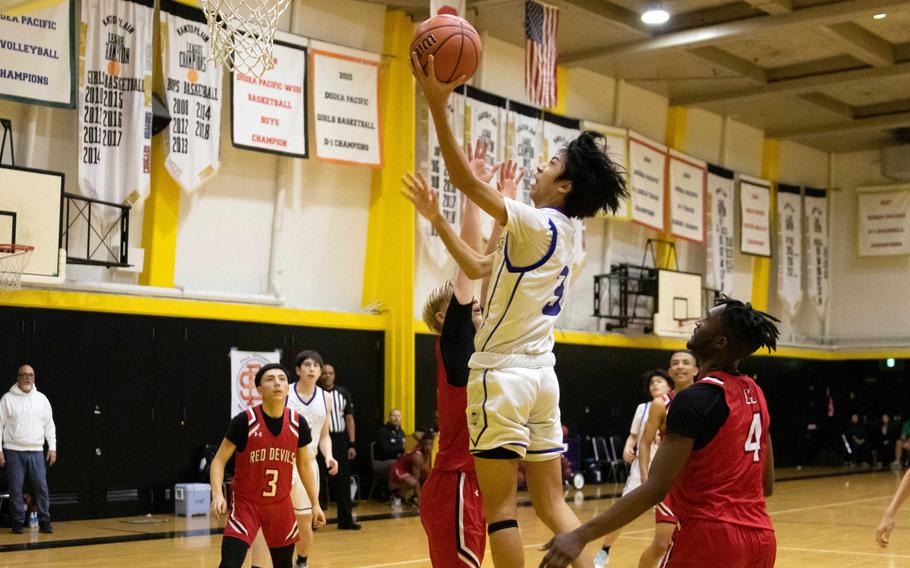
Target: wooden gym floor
(820, 521)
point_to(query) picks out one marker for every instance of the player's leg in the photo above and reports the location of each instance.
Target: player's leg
(259, 551)
(281, 532)
(233, 552)
(282, 557)
(663, 535)
(498, 479)
(303, 510)
(242, 526)
(455, 528)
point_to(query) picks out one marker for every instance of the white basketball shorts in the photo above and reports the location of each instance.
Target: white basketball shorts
(299, 498)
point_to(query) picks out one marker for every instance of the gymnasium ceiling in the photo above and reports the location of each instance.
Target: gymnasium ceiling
(820, 72)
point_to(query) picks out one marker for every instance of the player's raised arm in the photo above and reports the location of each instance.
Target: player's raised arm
(437, 94)
(216, 475)
(470, 219)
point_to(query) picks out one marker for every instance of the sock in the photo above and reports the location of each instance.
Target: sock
(606, 548)
(302, 558)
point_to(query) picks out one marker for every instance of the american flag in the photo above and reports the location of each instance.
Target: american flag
(541, 22)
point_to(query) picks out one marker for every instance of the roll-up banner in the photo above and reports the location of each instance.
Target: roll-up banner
(647, 174)
(789, 246)
(687, 196)
(755, 216)
(815, 206)
(721, 192)
(524, 141)
(450, 199)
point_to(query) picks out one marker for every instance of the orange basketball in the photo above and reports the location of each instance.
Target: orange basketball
(454, 44)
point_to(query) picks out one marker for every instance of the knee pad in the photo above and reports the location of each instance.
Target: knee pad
(502, 525)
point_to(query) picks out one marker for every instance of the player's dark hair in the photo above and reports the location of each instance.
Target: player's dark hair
(646, 380)
(598, 184)
(749, 328)
(265, 369)
(308, 354)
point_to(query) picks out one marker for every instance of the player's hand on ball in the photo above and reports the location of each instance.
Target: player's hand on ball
(418, 192)
(883, 531)
(434, 91)
(562, 550)
(509, 177)
(477, 160)
(332, 465)
(219, 505)
(318, 516)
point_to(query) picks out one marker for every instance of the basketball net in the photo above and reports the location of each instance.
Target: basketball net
(242, 32)
(13, 260)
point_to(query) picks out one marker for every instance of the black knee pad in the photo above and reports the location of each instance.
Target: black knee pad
(502, 525)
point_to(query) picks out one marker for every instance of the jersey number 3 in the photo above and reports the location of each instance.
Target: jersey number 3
(753, 440)
(555, 306)
(273, 483)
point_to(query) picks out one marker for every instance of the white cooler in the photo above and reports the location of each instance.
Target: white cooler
(192, 499)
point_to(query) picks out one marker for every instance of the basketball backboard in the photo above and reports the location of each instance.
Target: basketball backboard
(679, 303)
(30, 209)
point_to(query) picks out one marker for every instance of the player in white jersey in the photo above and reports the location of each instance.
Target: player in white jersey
(309, 400)
(513, 395)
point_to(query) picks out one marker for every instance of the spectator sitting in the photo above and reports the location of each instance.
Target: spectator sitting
(885, 437)
(902, 446)
(389, 445)
(411, 470)
(862, 452)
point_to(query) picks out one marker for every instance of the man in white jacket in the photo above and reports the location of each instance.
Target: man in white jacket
(26, 421)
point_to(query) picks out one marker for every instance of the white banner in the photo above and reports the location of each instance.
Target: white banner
(450, 199)
(789, 247)
(193, 93)
(617, 147)
(884, 220)
(816, 211)
(453, 7)
(346, 105)
(244, 366)
(687, 196)
(525, 149)
(647, 165)
(721, 229)
(555, 138)
(269, 113)
(37, 50)
(755, 216)
(115, 100)
(485, 121)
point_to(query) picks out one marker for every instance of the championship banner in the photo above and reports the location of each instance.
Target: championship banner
(884, 220)
(38, 54)
(193, 94)
(269, 113)
(244, 366)
(648, 166)
(346, 104)
(789, 246)
(450, 199)
(720, 230)
(523, 133)
(815, 205)
(755, 216)
(687, 196)
(115, 99)
(484, 118)
(557, 132)
(617, 148)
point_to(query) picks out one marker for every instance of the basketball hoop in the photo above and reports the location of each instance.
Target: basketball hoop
(13, 260)
(243, 31)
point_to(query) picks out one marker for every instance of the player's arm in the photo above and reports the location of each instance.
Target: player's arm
(437, 95)
(510, 175)
(309, 483)
(216, 475)
(768, 480)
(470, 220)
(671, 458)
(628, 451)
(325, 443)
(886, 525)
(425, 200)
(655, 418)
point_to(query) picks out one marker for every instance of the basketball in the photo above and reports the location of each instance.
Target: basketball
(454, 44)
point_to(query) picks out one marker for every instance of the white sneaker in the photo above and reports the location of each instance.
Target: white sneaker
(602, 559)
(396, 502)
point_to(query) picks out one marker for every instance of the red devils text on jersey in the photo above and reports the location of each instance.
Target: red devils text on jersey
(452, 403)
(723, 481)
(265, 467)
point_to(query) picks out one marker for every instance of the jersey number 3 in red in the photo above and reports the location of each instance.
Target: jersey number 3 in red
(753, 440)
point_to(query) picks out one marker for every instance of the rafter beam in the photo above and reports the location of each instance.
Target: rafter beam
(796, 86)
(730, 62)
(831, 13)
(830, 104)
(772, 6)
(616, 15)
(859, 125)
(861, 43)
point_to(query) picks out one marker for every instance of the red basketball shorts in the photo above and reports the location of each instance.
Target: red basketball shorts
(451, 510)
(663, 513)
(277, 521)
(701, 543)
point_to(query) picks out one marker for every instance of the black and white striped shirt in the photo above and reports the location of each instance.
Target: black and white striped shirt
(342, 405)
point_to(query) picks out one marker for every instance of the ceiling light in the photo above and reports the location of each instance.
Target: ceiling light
(879, 16)
(655, 14)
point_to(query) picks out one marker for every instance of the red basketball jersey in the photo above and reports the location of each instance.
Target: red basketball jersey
(452, 403)
(723, 481)
(265, 468)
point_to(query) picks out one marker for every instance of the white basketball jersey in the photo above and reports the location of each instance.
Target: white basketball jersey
(314, 411)
(531, 272)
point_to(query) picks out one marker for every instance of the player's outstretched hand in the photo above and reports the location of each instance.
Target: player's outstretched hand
(883, 531)
(418, 192)
(477, 160)
(318, 516)
(434, 91)
(509, 177)
(219, 505)
(561, 550)
(331, 464)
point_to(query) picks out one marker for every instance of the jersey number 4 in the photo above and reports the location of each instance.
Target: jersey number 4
(555, 305)
(273, 483)
(753, 440)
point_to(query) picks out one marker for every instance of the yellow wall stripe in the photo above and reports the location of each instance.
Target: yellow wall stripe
(160, 221)
(562, 90)
(761, 266)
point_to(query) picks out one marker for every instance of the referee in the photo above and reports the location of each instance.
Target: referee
(341, 428)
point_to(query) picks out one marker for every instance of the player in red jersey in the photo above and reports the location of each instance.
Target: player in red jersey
(270, 440)
(716, 460)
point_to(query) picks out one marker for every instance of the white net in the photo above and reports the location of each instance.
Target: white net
(242, 32)
(13, 260)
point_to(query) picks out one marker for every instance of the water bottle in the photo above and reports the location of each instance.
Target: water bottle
(33, 519)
